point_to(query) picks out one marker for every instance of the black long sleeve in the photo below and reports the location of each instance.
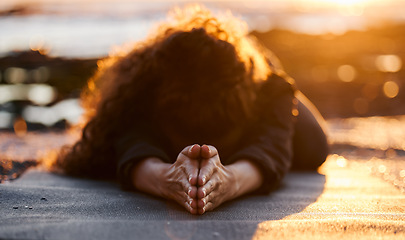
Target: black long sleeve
(134, 146)
(268, 142)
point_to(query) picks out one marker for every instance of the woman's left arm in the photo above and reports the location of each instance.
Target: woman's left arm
(268, 144)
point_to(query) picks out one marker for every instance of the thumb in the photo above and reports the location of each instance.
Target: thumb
(208, 151)
(192, 151)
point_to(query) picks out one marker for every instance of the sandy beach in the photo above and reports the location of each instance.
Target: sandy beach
(357, 194)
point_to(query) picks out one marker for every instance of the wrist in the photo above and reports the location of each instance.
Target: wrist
(248, 176)
(146, 175)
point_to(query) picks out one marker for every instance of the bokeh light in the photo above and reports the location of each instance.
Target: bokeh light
(69, 109)
(12, 92)
(388, 63)
(20, 127)
(39, 94)
(382, 168)
(391, 89)
(346, 73)
(15, 75)
(5, 119)
(39, 75)
(42, 115)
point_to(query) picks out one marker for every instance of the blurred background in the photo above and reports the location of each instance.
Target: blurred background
(347, 56)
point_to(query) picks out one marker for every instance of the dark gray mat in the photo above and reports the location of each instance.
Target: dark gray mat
(41, 205)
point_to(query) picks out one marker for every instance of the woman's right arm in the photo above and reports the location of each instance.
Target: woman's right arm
(135, 146)
(146, 176)
(177, 181)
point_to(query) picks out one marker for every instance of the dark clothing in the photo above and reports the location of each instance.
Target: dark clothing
(267, 141)
(310, 145)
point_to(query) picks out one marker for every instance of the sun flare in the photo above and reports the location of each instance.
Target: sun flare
(344, 7)
(345, 2)
(340, 3)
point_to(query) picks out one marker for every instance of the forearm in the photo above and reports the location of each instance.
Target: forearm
(146, 175)
(248, 176)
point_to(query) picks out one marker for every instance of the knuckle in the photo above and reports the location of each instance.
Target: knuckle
(179, 161)
(213, 163)
(220, 182)
(212, 187)
(215, 160)
(182, 168)
(208, 207)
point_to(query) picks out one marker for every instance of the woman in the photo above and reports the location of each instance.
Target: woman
(199, 113)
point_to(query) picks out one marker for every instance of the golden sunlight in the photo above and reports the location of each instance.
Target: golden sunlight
(350, 196)
(345, 7)
(341, 3)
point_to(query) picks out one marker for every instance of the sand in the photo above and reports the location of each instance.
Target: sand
(356, 194)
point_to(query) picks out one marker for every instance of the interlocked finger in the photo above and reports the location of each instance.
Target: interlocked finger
(207, 168)
(206, 189)
(208, 165)
(208, 206)
(184, 200)
(189, 159)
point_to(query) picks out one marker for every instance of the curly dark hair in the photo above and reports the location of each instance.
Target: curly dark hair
(199, 66)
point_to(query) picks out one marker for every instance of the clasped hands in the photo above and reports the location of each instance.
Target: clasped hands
(198, 180)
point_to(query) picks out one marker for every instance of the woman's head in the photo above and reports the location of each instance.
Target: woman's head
(196, 75)
(202, 87)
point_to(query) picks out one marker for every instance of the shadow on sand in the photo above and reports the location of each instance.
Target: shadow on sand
(42, 205)
(239, 219)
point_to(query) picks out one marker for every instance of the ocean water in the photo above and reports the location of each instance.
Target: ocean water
(94, 28)
(91, 28)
